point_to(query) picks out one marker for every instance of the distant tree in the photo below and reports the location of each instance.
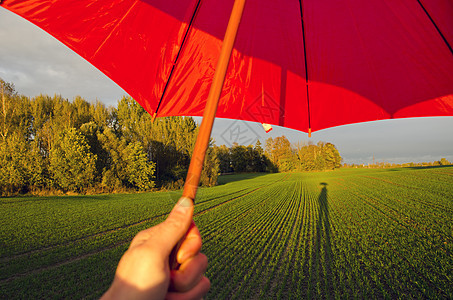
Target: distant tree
(317, 157)
(170, 145)
(129, 119)
(100, 115)
(211, 168)
(91, 133)
(280, 153)
(224, 156)
(7, 108)
(239, 158)
(259, 159)
(72, 164)
(42, 110)
(114, 173)
(302, 155)
(38, 167)
(63, 114)
(268, 150)
(14, 111)
(444, 162)
(168, 142)
(21, 165)
(50, 118)
(80, 111)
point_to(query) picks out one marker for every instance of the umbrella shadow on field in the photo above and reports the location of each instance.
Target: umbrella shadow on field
(322, 258)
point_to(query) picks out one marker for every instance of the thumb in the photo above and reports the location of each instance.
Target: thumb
(176, 225)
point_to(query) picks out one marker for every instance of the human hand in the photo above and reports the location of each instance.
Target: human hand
(144, 273)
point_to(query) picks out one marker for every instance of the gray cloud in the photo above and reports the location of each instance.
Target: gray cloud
(37, 63)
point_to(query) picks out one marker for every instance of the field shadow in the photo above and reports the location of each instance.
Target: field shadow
(227, 178)
(430, 167)
(322, 259)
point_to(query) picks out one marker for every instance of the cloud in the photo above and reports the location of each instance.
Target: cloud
(37, 64)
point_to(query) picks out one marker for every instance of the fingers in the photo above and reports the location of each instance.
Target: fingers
(191, 244)
(189, 273)
(198, 292)
(144, 268)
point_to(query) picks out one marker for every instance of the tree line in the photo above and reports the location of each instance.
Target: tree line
(53, 145)
(50, 143)
(278, 155)
(385, 165)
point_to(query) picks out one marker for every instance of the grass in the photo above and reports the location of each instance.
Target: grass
(351, 233)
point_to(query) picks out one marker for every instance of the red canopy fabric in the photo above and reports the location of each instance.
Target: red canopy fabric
(348, 61)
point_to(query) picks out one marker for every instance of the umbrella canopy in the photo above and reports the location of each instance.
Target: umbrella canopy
(306, 65)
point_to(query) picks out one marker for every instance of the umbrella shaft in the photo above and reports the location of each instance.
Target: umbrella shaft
(202, 143)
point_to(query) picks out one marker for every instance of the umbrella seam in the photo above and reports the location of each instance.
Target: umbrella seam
(435, 25)
(177, 56)
(306, 66)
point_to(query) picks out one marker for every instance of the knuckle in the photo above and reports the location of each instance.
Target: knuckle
(174, 223)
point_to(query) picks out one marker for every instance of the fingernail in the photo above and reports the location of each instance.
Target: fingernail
(183, 204)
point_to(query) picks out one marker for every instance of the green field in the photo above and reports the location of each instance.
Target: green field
(351, 233)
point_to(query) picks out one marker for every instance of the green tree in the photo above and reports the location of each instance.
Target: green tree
(320, 157)
(280, 153)
(91, 133)
(14, 111)
(259, 160)
(167, 141)
(140, 172)
(331, 156)
(444, 162)
(172, 141)
(211, 168)
(114, 174)
(72, 164)
(80, 112)
(269, 150)
(224, 156)
(100, 115)
(50, 117)
(13, 168)
(130, 120)
(317, 157)
(62, 113)
(239, 159)
(21, 165)
(7, 108)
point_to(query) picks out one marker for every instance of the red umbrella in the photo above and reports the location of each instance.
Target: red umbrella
(306, 65)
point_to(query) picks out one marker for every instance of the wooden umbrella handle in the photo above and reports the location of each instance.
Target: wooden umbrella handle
(202, 143)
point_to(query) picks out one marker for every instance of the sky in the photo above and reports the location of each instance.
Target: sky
(36, 63)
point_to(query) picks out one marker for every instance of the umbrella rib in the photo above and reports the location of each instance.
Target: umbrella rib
(435, 25)
(186, 34)
(306, 66)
